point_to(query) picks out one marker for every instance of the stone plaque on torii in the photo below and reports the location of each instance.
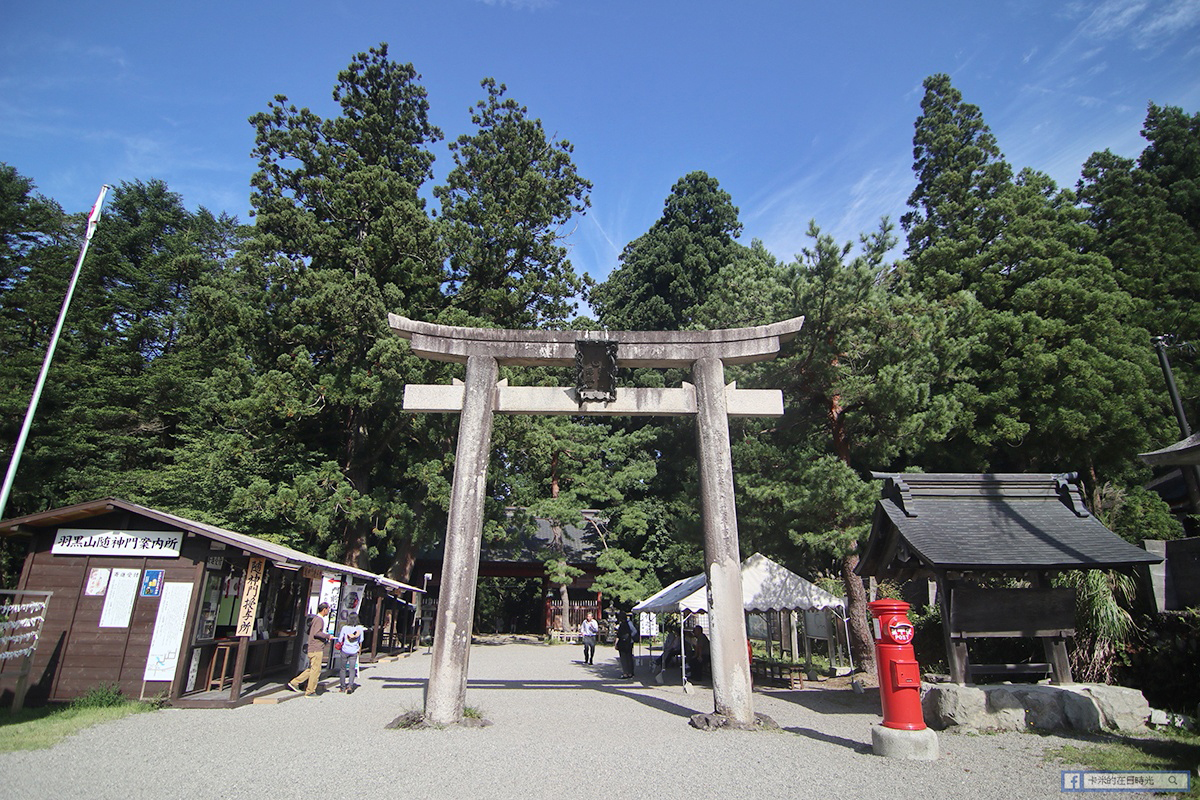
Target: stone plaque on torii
(712, 402)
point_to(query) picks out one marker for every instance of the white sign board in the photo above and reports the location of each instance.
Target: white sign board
(118, 603)
(168, 632)
(143, 544)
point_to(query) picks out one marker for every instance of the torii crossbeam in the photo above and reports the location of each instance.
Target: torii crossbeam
(480, 397)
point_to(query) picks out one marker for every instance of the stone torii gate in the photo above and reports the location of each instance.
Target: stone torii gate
(712, 402)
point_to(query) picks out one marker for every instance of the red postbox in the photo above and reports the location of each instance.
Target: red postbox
(899, 674)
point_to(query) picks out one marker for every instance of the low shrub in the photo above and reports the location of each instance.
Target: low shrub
(106, 695)
(1163, 660)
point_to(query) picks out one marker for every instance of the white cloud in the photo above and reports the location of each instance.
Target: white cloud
(1111, 19)
(1174, 19)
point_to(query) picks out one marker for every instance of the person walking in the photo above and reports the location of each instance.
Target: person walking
(589, 629)
(627, 634)
(314, 646)
(350, 637)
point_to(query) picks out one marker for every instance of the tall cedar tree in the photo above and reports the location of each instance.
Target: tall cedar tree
(342, 238)
(120, 384)
(667, 273)
(1056, 338)
(504, 209)
(663, 279)
(1146, 214)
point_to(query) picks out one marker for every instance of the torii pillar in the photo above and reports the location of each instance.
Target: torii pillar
(712, 402)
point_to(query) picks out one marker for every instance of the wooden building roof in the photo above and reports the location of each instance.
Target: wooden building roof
(1181, 453)
(280, 555)
(982, 522)
(528, 544)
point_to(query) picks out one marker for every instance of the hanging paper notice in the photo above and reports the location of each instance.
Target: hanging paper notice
(118, 603)
(97, 581)
(168, 632)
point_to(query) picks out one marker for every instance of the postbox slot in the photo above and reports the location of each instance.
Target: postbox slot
(905, 674)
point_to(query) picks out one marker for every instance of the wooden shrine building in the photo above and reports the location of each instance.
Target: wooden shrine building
(521, 555)
(159, 604)
(968, 532)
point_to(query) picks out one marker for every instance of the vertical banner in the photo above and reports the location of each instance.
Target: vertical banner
(168, 632)
(118, 603)
(331, 592)
(254, 579)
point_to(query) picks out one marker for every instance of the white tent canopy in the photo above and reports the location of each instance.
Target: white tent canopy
(766, 586)
(668, 600)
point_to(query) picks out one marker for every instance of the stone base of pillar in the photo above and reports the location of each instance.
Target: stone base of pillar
(712, 722)
(909, 745)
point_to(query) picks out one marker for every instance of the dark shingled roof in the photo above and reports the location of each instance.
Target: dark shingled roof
(1181, 453)
(989, 522)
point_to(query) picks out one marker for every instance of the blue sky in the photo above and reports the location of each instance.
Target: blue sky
(800, 110)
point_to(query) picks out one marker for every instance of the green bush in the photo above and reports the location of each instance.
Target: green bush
(106, 695)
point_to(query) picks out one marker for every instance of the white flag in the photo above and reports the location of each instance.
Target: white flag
(94, 217)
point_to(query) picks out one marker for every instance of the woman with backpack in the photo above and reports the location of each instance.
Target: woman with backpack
(349, 644)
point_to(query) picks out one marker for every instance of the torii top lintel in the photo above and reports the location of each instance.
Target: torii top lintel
(557, 348)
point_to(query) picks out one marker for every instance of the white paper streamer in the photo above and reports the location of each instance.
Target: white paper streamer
(10, 654)
(19, 637)
(23, 608)
(27, 622)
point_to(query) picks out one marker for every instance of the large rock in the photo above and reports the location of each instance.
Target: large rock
(1082, 706)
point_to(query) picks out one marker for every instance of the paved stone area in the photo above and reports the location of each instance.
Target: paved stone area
(560, 728)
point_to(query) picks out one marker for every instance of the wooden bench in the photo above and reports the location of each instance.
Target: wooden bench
(785, 673)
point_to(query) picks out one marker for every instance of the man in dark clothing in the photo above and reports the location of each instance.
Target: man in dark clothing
(314, 646)
(627, 634)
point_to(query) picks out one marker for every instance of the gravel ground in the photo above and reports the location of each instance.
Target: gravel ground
(559, 727)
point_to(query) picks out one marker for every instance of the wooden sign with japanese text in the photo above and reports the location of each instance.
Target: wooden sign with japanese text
(254, 579)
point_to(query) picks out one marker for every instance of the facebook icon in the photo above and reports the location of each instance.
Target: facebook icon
(1072, 781)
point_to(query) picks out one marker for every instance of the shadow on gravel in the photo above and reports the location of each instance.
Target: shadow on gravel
(863, 748)
(614, 687)
(834, 701)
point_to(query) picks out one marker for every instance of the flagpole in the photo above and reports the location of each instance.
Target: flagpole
(93, 218)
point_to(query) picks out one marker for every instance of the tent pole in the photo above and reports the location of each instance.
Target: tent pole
(682, 653)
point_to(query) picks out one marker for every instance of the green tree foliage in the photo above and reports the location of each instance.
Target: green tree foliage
(667, 273)
(624, 578)
(1146, 214)
(303, 414)
(857, 384)
(503, 212)
(1056, 335)
(341, 194)
(121, 382)
(38, 246)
